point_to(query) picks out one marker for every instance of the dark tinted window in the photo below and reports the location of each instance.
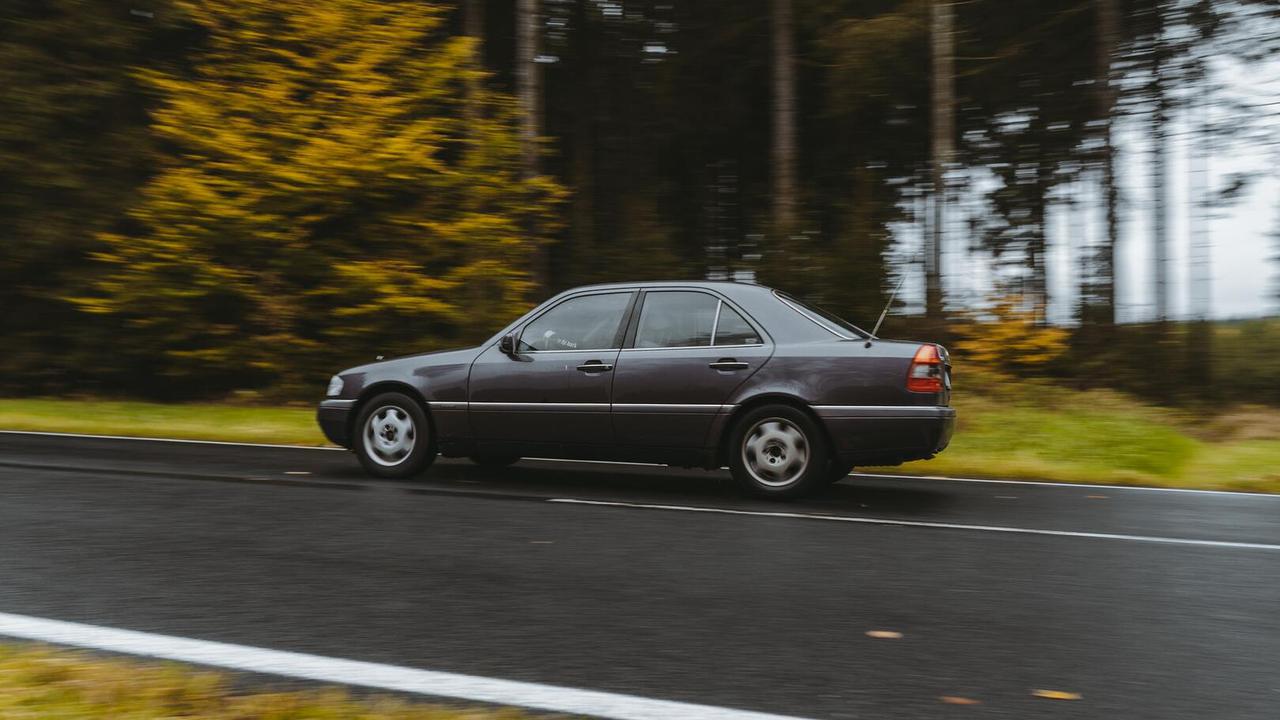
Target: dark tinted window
(676, 319)
(829, 320)
(588, 322)
(734, 330)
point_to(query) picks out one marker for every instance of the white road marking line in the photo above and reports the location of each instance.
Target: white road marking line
(164, 440)
(888, 476)
(948, 478)
(923, 524)
(365, 674)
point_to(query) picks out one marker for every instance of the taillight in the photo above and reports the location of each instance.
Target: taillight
(925, 373)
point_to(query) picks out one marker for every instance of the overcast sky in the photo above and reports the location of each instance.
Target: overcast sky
(1244, 277)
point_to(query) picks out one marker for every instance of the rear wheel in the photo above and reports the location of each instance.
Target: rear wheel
(393, 436)
(778, 452)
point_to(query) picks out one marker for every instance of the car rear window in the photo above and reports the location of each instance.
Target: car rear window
(732, 329)
(676, 319)
(833, 323)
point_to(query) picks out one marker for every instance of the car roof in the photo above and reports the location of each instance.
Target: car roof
(707, 284)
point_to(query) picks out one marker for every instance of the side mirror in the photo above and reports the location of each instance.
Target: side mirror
(507, 345)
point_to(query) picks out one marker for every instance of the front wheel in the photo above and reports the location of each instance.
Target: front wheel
(778, 452)
(394, 438)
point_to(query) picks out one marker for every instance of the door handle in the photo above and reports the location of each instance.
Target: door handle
(595, 366)
(728, 364)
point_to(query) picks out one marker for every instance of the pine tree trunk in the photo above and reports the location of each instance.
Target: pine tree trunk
(528, 92)
(784, 121)
(1159, 170)
(1105, 268)
(943, 40)
(473, 27)
(527, 81)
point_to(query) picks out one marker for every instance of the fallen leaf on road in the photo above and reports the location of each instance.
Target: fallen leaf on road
(957, 700)
(884, 634)
(1056, 695)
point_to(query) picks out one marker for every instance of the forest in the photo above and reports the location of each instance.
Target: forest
(204, 197)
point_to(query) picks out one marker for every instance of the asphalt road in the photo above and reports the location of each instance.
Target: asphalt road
(1149, 604)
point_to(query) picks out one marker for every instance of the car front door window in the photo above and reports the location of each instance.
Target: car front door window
(587, 322)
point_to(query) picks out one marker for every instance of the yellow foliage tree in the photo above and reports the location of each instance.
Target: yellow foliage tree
(335, 184)
(1009, 339)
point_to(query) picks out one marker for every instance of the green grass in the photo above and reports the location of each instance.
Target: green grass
(44, 684)
(1107, 438)
(1007, 429)
(236, 423)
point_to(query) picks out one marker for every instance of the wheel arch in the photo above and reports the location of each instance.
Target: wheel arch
(384, 386)
(772, 398)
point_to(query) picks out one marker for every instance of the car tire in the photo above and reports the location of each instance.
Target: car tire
(778, 452)
(393, 436)
(495, 461)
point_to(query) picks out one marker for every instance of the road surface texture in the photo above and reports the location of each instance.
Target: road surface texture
(1149, 604)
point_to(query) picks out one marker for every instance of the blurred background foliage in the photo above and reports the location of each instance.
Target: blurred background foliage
(199, 197)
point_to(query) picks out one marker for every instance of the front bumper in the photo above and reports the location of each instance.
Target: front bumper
(334, 417)
(888, 434)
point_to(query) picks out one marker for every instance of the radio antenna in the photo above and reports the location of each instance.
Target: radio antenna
(875, 332)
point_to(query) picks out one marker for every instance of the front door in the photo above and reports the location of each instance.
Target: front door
(553, 394)
(691, 350)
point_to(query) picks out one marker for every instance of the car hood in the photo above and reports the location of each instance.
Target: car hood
(417, 360)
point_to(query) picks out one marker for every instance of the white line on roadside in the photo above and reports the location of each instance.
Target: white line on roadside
(889, 476)
(365, 674)
(924, 524)
(948, 478)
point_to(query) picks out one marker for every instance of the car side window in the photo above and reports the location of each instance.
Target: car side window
(586, 322)
(676, 318)
(732, 329)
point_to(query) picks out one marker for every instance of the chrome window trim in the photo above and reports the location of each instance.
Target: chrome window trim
(690, 347)
(544, 352)
(715, 324)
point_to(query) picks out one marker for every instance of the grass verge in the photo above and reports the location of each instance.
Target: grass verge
(1107, 438)
(233, 423)
(1016, 430)
(41, 683)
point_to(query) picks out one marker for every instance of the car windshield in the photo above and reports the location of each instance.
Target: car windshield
(827, 319)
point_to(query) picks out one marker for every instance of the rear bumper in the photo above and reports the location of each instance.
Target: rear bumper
(887, 434)
(334, 417)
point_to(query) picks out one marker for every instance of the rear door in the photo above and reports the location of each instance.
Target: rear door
(687, 353)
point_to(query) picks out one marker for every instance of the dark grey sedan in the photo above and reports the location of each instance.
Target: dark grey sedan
(696, 374)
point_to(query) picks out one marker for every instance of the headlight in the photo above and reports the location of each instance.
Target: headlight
(335, 387)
